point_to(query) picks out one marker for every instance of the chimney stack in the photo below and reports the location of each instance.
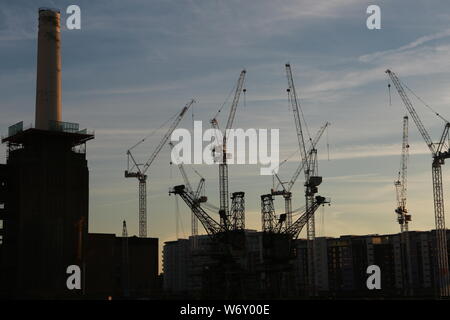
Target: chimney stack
(48, 84)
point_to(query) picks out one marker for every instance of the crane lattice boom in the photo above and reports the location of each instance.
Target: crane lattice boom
(139, 171)
(439, 155)
(292, 96)
(295, 229)
(211, 226)
(396, 81)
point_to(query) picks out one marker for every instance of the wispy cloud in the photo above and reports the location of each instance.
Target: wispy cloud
(135, 64)
(374, 150)
(414, 44)
(316, 9)
(14, 29)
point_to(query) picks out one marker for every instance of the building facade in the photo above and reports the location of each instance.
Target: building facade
(340, 266)
(46, 196)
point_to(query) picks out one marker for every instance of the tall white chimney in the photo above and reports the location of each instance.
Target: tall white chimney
(48, 84)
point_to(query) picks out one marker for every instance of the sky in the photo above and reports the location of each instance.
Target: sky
(135, 64)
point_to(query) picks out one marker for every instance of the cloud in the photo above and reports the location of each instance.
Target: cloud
(131, 63)
(14, 29)
(318, 9)
(416, 43)
(367, 177)
(374, 150)
(419, 61)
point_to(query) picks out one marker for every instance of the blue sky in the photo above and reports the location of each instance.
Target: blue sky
(134, 64)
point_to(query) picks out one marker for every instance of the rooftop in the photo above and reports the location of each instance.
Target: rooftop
(18, 134)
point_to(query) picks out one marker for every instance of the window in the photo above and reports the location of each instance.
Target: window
(2, 205)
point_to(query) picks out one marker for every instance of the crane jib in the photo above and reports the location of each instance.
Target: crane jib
(438, 193)
(140, 173)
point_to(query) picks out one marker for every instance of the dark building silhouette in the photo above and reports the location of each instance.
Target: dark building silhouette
(44, 203)
(45, 219)
(340, 266)
(45, 186)
(105, 270)
(3, 213)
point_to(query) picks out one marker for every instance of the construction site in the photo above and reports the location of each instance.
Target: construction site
(274, 263)
(44, 213)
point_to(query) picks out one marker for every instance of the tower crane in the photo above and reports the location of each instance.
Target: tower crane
(403, 217)
(401, 183)
(286, 192)
(439, 151)
(224, 211)
(197, 195)
(311, 181)
(136, 170)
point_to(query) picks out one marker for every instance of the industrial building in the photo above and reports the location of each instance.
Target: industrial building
(191, 267)
(340, 265)
(176, 265)
(45, 186)
(44, 203)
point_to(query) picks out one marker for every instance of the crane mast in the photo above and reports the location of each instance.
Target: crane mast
(135, 170)
(439, 155)
(311, 182)
(311, 185)
(238, 210)
(401, 184)
(403, 217)
(224, 211)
